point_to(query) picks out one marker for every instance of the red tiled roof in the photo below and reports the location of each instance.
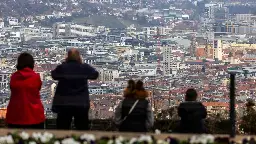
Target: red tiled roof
(218, 104)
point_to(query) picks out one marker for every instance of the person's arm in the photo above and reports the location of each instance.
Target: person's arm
(39, 82)
(150, 117)
(91, 72)
(11, 82)
(204, 112)
(180, 111)
(118, 114)
(56, 73)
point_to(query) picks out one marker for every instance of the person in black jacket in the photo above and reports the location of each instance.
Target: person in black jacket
(72, 96)
(192, 114)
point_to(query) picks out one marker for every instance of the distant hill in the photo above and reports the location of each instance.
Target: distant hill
(23, 7)
(91, 13)
(106, 20)
(33, 7)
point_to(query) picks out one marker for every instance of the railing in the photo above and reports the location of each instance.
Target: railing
(216, 127)
(166, 126)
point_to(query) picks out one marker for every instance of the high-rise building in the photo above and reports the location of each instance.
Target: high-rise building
(216, 12)
(1, 23)
(217, 49)
(169, 64)
(193, 46)
(4, 79)
(221, 13)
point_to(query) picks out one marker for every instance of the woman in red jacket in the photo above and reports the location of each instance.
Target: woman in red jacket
(25, 109)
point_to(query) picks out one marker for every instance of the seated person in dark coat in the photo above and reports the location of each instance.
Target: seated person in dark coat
(192, 114)
(139, 119)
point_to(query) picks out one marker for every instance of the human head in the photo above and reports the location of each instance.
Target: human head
(74, 55)
(250, 103)
(131, 84)
(191, 95)
(25, 60)
(139, 85)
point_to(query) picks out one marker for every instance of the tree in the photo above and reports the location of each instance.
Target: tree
(248, 125)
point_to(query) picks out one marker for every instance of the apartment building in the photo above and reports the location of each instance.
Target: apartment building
(67, 30)
(151, 31)
(170, 65)
(4, 79)
(106, 74)
(217, 49)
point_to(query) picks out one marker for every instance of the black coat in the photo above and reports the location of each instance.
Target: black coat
(136, 121)
(192, 115)
(72, 88)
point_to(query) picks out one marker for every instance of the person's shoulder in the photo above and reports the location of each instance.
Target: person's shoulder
(142, 93)
(14, 75)
(130, 99)
(143, 100)
(35, 75)
(68, 65)
(85, 65)
(193, 104)
(187, 103)
(201, 104)
(61, 65)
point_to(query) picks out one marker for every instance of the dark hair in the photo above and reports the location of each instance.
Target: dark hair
(250, 103)
(191, 95)
(25, 60)
(139, 85)
(131, 84)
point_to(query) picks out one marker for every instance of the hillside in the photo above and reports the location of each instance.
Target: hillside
(20, 8)
(108, 21)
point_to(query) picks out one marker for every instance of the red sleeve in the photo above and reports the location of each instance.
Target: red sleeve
(11, 81)
(39, 81)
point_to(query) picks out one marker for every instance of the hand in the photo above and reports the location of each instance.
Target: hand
(66, 57)
(80, 59)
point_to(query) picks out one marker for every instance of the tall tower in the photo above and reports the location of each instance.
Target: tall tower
(193, 46)
(217, 49)
(168, 60)
(158, 37)
(1, 23)
(55, 30)
(206, 49)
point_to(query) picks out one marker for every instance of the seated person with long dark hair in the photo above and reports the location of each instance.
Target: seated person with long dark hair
(134, 114)
(130, 89)
(192, 114)
(140, 91)
(25, 109)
